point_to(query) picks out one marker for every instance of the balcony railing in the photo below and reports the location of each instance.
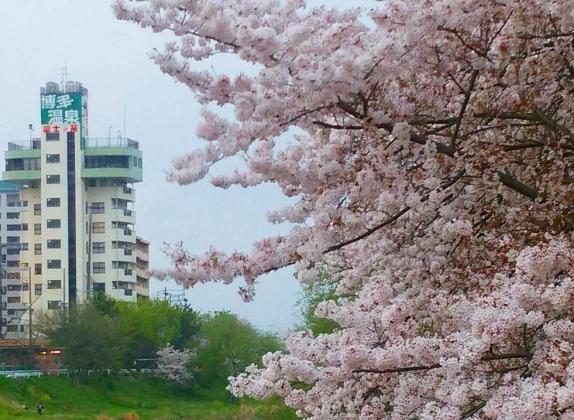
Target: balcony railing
(126, 212)
(112, 142)
(125, 230)
(127, 190)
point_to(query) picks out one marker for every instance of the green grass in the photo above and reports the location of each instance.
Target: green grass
(117, 397)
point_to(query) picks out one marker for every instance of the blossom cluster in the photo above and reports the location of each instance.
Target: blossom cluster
(173, 364)
(432, 174)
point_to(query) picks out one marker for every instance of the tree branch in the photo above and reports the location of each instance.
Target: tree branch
(514, 184)
(487, 358)
(467, 96)
(368, 232)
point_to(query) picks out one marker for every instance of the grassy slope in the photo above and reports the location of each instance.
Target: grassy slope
(116, 397)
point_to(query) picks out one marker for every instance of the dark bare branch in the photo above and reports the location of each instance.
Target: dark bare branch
(486, 358)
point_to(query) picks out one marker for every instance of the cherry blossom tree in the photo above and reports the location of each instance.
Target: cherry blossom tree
(172, 364)
(431, 164)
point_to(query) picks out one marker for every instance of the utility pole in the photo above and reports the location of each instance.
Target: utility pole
(89, 271)
(3, 275)
(30, 313)
(64, 293)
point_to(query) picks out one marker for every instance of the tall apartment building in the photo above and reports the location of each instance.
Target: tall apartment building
(78, 223)
(11, 306)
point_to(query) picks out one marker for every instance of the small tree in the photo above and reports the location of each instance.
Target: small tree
(151, 325)
(172, 364)
(91, 340)
(227, 346)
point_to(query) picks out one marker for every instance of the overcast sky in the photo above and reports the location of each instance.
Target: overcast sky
(110, 58)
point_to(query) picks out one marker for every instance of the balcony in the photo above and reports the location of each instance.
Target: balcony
(126, 193)
(23, 150)
(124, 255)
(123, 215)
(123, 293)
(125, 275)
(141, 255)
(127, 174)
(124, 235)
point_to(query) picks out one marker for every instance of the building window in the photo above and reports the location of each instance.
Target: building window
(37, 269)
(97, 208)
(13, 299)
(53, 202)
(24, 226)
(99, 247)
(12, 239)
(99, 267)
(12, 263)
(53, 223)
(37, 209)
(38, 289)
(37, 228)
(107, 162)
(24, 246)
(12, 215)
(54, 243)
(55, 158)
(13, 228)
(12, 251)
(54, 263)
(24, 287)
(99, 288)
(52, 136)
(91, 182)
(54, 284)
(12, 328)
(52, 179)
(98, 227)
(37, 249)
(54, 304)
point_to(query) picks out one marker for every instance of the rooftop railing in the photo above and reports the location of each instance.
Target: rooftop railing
(33, 144)
(112, 142)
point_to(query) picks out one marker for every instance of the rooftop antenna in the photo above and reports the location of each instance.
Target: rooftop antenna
(64, 76)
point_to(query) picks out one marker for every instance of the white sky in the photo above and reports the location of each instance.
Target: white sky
(110, 58)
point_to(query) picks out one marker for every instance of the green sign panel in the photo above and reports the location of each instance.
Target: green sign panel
(61, 109)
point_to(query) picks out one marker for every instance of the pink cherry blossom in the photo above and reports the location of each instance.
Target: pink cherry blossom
(430, 163)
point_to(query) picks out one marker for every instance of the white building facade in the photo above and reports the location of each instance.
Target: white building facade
(12, 308)
(78, 233)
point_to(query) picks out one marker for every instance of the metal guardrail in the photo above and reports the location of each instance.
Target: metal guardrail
(60, 372)
(31, 373)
